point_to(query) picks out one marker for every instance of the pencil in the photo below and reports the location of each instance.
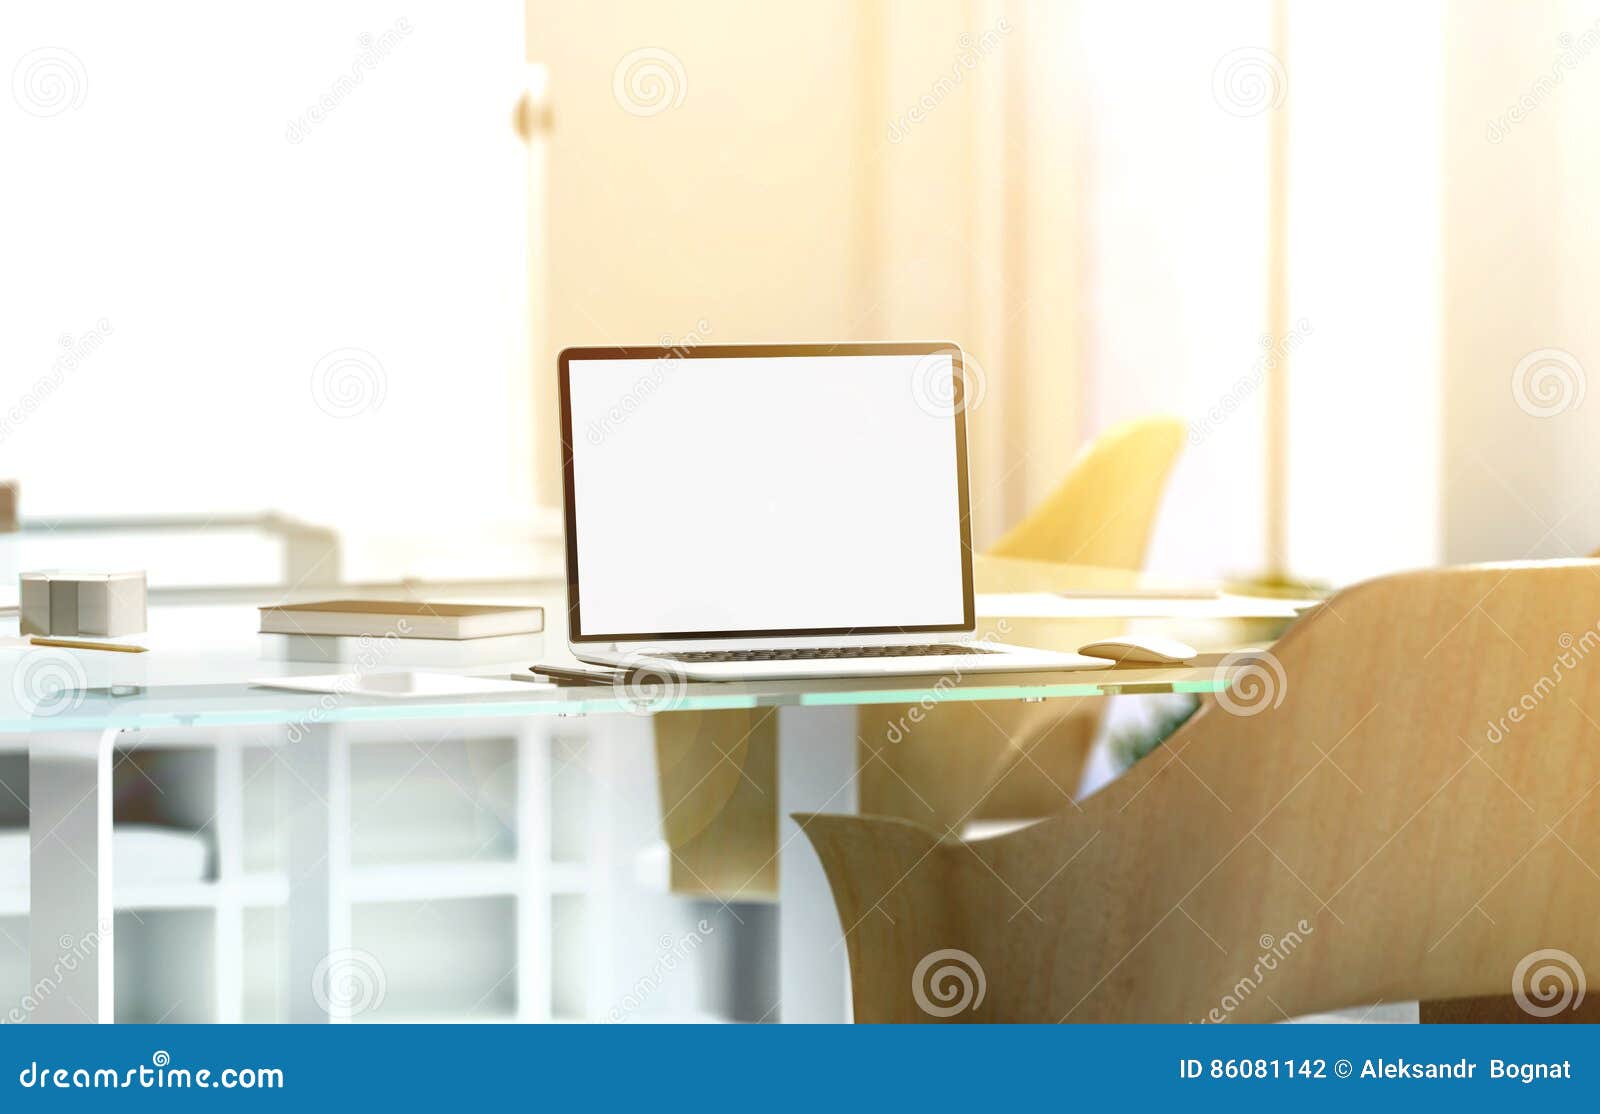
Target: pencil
(74, 644)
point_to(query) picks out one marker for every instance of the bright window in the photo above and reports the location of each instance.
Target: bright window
(264, 257)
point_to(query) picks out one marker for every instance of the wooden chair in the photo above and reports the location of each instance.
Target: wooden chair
(1496, 1009)
(1009, 761)
(1400, 802)
(721, 822)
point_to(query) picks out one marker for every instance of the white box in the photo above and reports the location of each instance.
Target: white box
(60, 603)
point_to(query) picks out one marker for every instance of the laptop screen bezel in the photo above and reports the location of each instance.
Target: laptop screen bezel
(575, 632)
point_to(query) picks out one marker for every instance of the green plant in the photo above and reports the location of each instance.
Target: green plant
(1131, 742)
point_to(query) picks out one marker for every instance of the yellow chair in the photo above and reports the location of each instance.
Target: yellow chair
(1395, 804)
(1103, 512)
(964, 762)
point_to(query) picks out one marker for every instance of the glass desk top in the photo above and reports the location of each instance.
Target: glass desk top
(203, 660)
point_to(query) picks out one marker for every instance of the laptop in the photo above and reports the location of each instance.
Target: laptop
(750, 512)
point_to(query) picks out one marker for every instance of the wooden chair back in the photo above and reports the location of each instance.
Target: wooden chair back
(1401, 801)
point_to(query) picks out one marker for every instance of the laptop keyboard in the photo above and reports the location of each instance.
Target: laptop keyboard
(828, 653)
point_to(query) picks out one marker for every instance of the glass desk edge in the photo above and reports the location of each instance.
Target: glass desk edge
(237, 705)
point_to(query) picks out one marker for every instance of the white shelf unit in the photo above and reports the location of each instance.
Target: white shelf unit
(472, 867)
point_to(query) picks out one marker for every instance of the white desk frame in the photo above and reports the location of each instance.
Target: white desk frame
(71, 940)
(71, 920)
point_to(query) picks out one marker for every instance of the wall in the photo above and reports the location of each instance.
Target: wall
(780, 189)
(703, 172)
(1522, 172)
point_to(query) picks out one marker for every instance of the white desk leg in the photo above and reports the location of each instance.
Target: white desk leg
(315, 782)
(816, 773)
(70, 943)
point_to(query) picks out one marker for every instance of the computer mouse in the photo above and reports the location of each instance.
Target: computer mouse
(1143, 649)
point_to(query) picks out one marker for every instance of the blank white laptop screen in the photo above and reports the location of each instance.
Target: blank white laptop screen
(764, 495)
